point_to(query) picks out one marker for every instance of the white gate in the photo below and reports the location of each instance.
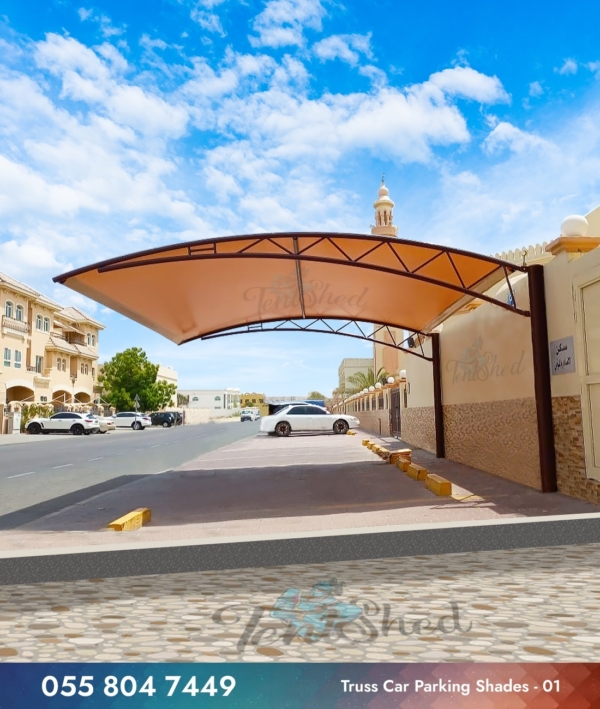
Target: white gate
(587, 295)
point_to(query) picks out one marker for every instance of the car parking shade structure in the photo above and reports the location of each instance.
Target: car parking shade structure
(227, 285)
(196, 289)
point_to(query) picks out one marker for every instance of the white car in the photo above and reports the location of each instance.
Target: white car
(64, 422)
(105, 423)
(129, 419)
(306, 417)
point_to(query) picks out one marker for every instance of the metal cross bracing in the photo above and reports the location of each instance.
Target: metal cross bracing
(410, 259)
(323, 326)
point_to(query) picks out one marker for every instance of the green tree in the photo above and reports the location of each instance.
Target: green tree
(316, 395)
(129, 373)
(364, 380)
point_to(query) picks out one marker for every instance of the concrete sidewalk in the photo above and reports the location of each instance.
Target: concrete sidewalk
(301, 484)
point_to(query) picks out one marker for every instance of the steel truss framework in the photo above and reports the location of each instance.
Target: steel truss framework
(300, 247)
(412, 344)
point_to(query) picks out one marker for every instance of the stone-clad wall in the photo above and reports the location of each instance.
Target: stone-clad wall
(375, 422)
(570, 453)
(499, 437)
(418, 427)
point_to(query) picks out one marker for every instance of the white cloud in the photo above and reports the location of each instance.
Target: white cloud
(104, 22)
(467, 83)
(377, 76)
(535, 89)
(282, 22)
(209, 21)
(594, 67)
(569, 67)
(506, 135)
(347, 47)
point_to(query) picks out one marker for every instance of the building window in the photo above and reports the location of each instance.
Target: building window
(81, 367)
(19, 313)
(93, 372)
(46, 324)
(43, 399)
(85, 369)
(17, 359)
(39, 363)
(217, 398)
(93, 340)
(64, 367)
(38, 322)
(6, 357)
(194, 398)
(8, 309)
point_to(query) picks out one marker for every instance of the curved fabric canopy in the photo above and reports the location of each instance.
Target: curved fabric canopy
(194, 289)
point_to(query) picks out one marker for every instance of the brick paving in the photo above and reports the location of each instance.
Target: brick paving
(535, 605)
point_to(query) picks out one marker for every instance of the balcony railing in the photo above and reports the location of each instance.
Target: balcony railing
(71, 339)
(15, 325)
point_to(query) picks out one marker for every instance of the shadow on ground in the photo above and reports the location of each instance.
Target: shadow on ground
(211, 496)
(15, 519)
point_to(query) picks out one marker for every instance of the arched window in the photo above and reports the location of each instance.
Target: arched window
(46, 324)
(194, 398)
(19, 313)
(8, 309)
(38, 322)
(217, 398)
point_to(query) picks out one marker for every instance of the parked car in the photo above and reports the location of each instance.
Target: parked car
(131, 419)
(306, 417)
(249, 414)
(105, 423)
(166, 419)
(64, 422)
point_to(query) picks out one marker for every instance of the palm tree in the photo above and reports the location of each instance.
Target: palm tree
(364, 380)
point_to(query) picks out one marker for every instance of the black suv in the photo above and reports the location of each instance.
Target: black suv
(166, 419)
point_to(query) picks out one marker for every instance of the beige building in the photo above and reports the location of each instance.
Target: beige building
(49, 353)
(351, 366)
(169, 375)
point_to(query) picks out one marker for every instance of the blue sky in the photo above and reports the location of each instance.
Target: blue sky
(126, 125)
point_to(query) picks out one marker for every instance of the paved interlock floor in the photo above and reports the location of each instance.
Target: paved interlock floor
(534, 605)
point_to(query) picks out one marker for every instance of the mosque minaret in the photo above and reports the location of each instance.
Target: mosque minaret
(384, 216)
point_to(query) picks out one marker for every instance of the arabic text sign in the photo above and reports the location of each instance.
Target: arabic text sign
(562, 356)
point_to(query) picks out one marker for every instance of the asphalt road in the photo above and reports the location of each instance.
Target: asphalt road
(39, 478)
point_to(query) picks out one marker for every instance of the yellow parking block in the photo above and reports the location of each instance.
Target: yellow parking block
(131, 521)
(366, 441)
(350, 433)
(394, 456)
(384, 453)
(438, 485)
(402, 464)
(417, 472)
(405, 453)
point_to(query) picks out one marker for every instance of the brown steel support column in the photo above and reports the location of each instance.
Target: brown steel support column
(440, 445)
(541, 378)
